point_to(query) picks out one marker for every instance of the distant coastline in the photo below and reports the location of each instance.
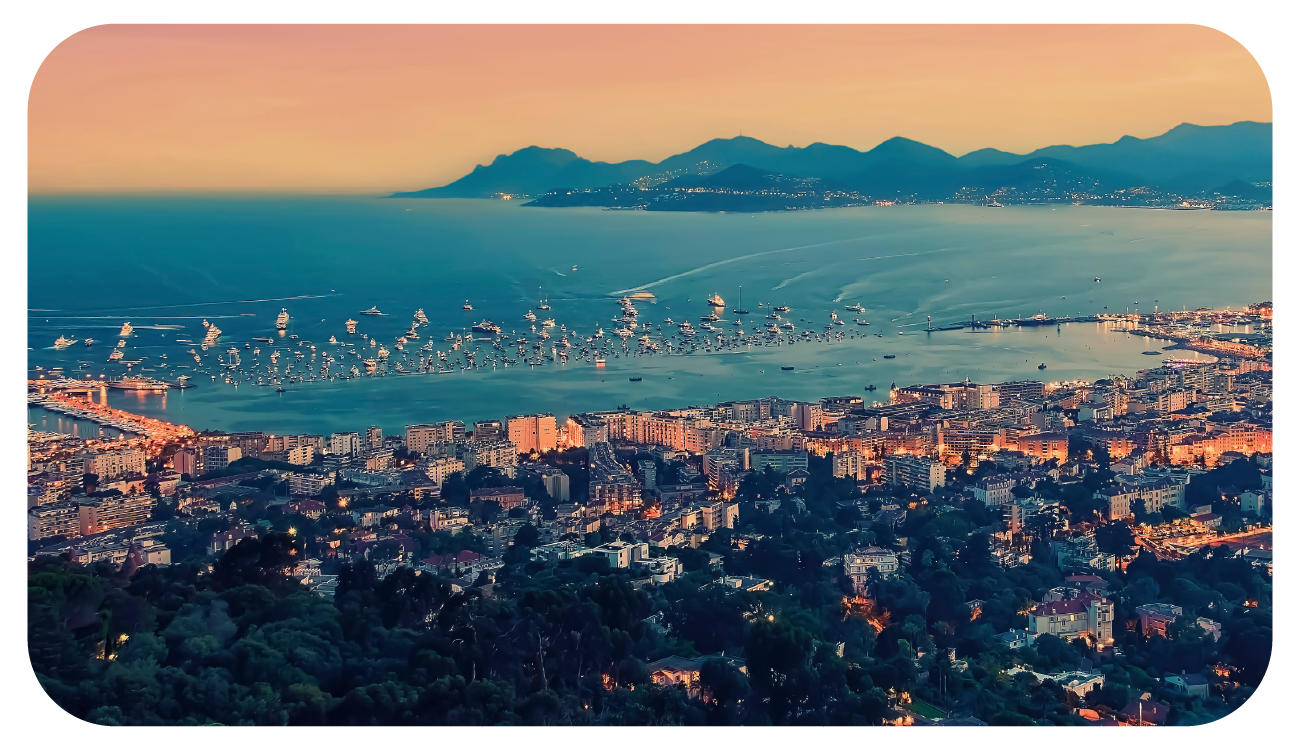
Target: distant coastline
(1190, 166)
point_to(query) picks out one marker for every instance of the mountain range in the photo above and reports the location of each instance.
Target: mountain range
(1188, 158)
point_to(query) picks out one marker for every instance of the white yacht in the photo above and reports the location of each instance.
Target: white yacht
(63, 342)
(351, 325)
(855, 308)
(117, 354)
(529, 316)
(371, 311)
(716, 301)
(282, 320)
(421, 318)
(467, 306)
(126, 330)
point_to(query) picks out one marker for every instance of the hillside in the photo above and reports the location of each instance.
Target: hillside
(1186, 158)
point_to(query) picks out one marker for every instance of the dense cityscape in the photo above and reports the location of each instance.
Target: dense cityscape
(649, 375)
(1013, 553)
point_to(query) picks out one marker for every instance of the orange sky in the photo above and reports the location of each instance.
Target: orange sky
(378, 108)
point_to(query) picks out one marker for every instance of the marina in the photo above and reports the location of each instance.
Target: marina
(596, 319)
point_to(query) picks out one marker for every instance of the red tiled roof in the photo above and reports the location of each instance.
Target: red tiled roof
(1075, 606)
(1085, 579)
(1152, 712)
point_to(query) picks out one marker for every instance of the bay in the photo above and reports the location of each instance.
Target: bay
(165, 264)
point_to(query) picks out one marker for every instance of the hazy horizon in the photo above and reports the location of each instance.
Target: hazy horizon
(367, 109)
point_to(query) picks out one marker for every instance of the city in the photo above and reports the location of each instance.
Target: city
(962, 553)
(658, 375)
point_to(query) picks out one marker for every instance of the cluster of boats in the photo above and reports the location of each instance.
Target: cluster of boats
(485, 344)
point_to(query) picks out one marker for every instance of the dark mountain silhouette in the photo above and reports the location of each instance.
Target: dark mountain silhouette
(1188, 157)
(744, 177)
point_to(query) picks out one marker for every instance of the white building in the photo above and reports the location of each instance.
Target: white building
(345, 444)
(859, 564)
(994, 490)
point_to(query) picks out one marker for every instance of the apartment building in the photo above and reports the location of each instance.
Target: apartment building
(345, 444)
(219, 456)
(101, 514)
(1045, 445)
(128, 462)
(783, 461)
(612, 488)
(308, 485)
(531, 432)
(55, 519)
(420, 436)
(500, 454)
(849, 464)
(915, 473)
(438, 468)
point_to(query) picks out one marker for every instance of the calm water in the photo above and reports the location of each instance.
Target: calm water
(165, 264)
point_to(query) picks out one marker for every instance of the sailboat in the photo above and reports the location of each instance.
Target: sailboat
(740, 306)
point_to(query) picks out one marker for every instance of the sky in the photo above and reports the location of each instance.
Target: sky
(371, 109)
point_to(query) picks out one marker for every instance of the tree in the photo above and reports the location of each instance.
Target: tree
(527, 536)
(779, 663)
(1115, 538)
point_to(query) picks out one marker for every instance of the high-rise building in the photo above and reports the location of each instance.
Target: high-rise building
(532, 432)
(374, 437)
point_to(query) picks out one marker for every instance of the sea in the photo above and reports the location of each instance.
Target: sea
(165, 264)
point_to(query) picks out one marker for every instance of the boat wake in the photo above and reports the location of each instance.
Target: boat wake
(230, 302)
(736, 259)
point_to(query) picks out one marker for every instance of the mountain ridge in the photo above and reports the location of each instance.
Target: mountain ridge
(1188, 156)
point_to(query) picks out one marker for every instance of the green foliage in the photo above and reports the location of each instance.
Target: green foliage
(569, 643)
